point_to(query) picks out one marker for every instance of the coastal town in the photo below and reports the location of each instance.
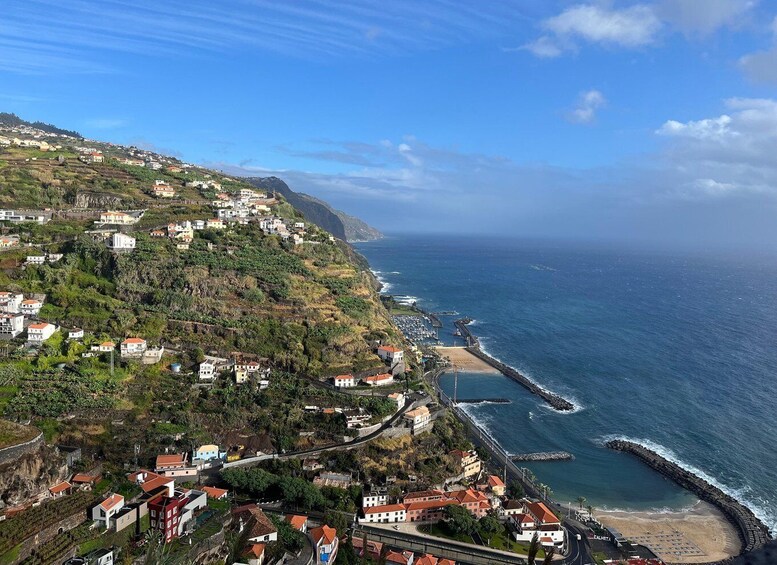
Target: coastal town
(192, 372)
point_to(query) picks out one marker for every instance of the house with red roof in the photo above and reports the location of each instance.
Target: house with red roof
(391, 354)
(175, 465)
(384, 514)
(254, 554)
(104, 512)
(215, 493)
(152, 483)
(429, 559)
(538, 519)
(344, 381)
(374, 548)
(326, 544)
(133, 348)
(60, 489)
(496, 485)
(400, 557)
(298, 522)
(378, 380)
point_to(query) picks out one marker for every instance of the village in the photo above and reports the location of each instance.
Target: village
(313, 493)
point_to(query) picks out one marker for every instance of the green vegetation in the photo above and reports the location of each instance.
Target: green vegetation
(12, 434)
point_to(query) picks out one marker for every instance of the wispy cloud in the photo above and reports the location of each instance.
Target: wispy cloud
(106, 123)
(761, 66)
(587, 105)
(83, 33)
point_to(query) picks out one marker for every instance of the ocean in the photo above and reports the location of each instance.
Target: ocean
(675, 351)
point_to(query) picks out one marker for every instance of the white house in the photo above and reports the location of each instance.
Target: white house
(385, 514)
(374, 498)
(38, 333)
(31, 307)
(11, 325)
(215, 224)
(106, 347)
(206, 452)
(391, 354)
(207, 371)
(10, 302)
(419, 420)
(379, 380)
(107, 509)
(133, 347)
(75, 333)
(121, 241)
(538, 519)
(117, 218)
(399, 398)
(344, 381)
(35, 259)
(326, 542)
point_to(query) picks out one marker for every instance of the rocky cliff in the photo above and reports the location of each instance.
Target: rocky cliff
(31, 474)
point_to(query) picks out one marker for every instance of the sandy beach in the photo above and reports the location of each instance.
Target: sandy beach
(465, 361)
(697, 535)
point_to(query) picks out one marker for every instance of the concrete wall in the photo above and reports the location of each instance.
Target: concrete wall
(13, 452)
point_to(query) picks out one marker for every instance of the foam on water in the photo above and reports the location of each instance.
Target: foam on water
(740, 494)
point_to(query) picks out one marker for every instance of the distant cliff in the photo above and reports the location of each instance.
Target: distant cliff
(313, 210)
(355, 229)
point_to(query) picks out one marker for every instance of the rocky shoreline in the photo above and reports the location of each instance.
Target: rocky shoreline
(752, 532)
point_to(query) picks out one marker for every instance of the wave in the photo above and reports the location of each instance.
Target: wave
(739, 494)
(577, 405)
(482, 421)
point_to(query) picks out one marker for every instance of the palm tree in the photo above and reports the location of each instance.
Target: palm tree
(590, 511)
(549, 553)
(534, 547)
(581, 500)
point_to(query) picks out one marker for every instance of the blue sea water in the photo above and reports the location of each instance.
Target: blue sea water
(677, 351)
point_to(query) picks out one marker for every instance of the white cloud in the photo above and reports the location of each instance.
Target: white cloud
(761, 66)
(545, 47)
(631, 27)
(587, 104)
(710, 128)
(691, 16)
(729, 154)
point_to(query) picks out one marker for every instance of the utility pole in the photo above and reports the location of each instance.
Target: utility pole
(455, 383)
(112, 351)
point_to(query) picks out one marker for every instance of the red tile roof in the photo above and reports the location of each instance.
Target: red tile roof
(325, 533)
(214, 492)
(84, 478)
(61, 487)
(112, 501)
(494, 481)
(542, 513)
(254, 550)
(297, 521)
(176, 459)
(133, 340)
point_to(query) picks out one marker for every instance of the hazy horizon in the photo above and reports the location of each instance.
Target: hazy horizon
(646, 121)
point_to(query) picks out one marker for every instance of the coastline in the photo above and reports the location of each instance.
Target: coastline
(700, 534)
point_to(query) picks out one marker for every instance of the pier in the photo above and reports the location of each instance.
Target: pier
(466, 333)
(482, 400)
(543, 456)
(753, 533)
(556, 402)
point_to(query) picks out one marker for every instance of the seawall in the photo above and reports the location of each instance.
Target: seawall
(556, 402)
(753, 533)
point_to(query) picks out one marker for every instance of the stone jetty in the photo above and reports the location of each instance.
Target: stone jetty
(753, 533)
(482, 400)
(543, 456)
(556, 402)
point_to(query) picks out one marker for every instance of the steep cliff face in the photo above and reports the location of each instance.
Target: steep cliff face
(313, 210)
(96, 201)
(30, 474)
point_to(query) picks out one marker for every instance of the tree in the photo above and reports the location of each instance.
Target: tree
(534, 548)
(460, 521)
(488, 526)
(336, 520)
(581, 500)
(515, 490)
(549, 553)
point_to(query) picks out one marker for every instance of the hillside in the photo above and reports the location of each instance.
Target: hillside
(313, 210)
(355, 229)
(267, 287)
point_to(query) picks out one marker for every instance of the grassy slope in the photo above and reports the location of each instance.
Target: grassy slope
(310, 309)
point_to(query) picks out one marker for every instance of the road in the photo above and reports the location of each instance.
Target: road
(578, 551)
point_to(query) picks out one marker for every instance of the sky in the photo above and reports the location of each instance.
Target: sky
(647, 121)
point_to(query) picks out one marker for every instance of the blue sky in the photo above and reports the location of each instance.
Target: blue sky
(653, 120)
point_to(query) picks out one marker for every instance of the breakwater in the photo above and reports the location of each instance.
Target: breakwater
(466, 333)
(543, 456)
(752, 532)
(482, 400)
(556, 402)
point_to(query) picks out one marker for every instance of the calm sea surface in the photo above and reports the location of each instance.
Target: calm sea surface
(678, 352)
